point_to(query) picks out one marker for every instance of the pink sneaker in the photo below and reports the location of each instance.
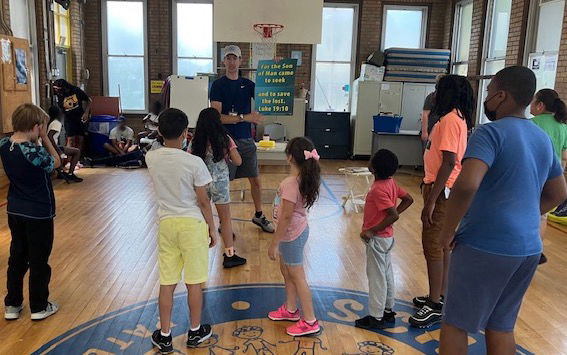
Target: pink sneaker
(302, 328)
(283, 314)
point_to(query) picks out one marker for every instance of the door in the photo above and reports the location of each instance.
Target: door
(391, 98)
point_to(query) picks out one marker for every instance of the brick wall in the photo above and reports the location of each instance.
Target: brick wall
(561, 79)
(6, 11)
(477, 38)
(160, 28)
(517, 32)
(77, 41)
(448, 23)
(93, 46)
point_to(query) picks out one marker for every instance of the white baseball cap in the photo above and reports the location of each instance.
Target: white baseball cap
(232, 49)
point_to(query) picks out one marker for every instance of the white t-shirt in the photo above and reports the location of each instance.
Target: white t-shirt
(175, 174)
(126, 135)
(55, 125)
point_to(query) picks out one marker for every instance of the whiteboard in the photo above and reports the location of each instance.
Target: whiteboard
(189, 94)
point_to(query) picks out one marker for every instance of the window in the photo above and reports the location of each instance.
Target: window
(62, 26)
(543, 40)
(462, 37)
(496, 41)
(334, 59)
(404, 26)
(125, 49)
(194, 38)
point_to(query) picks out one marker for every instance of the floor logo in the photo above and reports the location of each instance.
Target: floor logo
(238, 315)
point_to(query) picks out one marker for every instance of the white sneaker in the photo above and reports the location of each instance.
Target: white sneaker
(12, 312)
(50, 310)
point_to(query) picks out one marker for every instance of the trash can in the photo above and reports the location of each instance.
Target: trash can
(99, 130)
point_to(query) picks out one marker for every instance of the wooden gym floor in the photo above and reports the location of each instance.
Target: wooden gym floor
(105, 278)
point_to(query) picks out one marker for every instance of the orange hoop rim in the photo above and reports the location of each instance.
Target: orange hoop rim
(268, 30)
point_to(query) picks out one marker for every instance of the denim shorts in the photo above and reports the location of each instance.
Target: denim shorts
(485, 290)
(292, 252)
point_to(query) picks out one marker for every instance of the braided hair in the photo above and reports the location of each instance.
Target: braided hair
(455, 92)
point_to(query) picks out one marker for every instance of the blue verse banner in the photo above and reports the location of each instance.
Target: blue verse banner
(275, 87)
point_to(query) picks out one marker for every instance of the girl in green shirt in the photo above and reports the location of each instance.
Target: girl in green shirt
(550, 114)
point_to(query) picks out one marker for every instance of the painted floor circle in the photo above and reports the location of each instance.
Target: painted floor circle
(238, 315)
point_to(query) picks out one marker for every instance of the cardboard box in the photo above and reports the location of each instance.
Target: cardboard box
(369, 72)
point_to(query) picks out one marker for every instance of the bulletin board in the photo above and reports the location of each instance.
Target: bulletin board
(15, 81)
(189, 94)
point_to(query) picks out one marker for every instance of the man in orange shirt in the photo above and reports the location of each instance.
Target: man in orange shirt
(442, 159)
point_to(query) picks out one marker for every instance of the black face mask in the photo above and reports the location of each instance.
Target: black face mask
(491, 115)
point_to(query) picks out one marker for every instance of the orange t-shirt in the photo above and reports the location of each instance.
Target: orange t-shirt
(449, 135)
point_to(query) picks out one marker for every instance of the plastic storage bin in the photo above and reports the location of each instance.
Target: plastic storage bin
(387, 123)
(99, 130)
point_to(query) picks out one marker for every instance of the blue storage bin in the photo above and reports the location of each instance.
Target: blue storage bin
(387, 123)
(99, 130)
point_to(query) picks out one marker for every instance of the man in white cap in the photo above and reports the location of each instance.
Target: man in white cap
(232, 96)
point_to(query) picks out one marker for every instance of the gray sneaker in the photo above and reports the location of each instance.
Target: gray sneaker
(50, 310)
(12, 312)
(263, 223)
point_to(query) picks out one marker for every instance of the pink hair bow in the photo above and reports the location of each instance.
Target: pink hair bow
(311, 154)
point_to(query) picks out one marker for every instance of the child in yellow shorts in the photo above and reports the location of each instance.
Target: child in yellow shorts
(186, 228)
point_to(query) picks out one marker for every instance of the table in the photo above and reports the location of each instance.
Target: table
(352, 174)
(272, 156)
(406, 145)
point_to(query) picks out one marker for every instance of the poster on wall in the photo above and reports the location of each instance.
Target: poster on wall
(275, 87)
(21, 68)
(6, 51)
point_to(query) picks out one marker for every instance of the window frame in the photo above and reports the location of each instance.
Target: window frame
(57, 18)
(175, 58)
(486, 59)
(352, 62)
(105, 55)
(456, 34)
(424, 9)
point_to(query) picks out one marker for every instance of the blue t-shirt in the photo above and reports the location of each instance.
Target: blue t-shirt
(28, 167)
(236, 96)
(504, 217)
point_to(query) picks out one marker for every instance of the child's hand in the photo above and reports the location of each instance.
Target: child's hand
(273, 250)
(427, 214)
(366, 236)
(212, 237)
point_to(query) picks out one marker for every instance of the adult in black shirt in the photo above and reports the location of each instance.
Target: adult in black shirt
(428, 117)
(75, 105)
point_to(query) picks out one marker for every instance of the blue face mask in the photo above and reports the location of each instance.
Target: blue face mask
(184, 144)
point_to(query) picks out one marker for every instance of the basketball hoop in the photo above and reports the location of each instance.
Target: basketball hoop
(268, 34)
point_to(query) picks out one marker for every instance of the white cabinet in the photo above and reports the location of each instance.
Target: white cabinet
(413, 97)
(365, 99)
(391, 97)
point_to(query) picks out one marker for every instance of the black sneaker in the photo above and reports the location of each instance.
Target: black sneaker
(194, 338)
(427, 316)
(263, 223)
(542, 259)
(420, 301)
(232, 261)
(74, 178)
(389, 316)
(164, 344)
(370, 322)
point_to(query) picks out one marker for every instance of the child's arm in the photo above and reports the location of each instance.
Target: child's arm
(392, 216)
(205, 206)
(462, 195)
(407, 201)
(449, 161)
(563, 159)
(284, 219)
(50, 135)
(50, 148)
(554, 193)
(235, 157)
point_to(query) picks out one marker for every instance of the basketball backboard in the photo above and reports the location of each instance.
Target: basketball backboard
(234, 20)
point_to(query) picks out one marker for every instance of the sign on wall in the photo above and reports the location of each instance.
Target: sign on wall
(275, 87)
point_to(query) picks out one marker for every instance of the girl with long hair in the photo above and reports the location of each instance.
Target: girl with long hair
(296, 195)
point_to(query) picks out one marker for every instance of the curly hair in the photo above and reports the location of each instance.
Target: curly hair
(455, 92)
